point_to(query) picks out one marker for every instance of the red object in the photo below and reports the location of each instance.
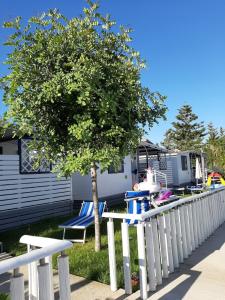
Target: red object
(215, 174)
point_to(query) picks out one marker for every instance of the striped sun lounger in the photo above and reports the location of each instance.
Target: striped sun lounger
(84, 219)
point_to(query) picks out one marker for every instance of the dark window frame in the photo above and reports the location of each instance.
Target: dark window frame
(1, 150)
(112, 170)
(184, 163)
(21, 169)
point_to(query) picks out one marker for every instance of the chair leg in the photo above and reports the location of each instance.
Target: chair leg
(64, 233)
(84, 238)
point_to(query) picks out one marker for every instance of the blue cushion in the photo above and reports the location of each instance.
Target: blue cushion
(136, 194)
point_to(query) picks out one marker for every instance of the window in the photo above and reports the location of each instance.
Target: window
(28, 160)
(1, 150)
(184, 163)
(119, 169)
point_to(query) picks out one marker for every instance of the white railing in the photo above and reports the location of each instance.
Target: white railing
(160, 174)
(165, 237)
(40, 276)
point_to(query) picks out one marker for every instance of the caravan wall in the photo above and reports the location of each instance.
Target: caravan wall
(111, 187)
(27, 198)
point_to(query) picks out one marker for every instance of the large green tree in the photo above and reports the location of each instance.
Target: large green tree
(215, 148)
(2, 127)
(75, 86)
(186, 133)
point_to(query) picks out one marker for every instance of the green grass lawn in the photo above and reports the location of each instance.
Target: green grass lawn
(84, 261)
(4, 297)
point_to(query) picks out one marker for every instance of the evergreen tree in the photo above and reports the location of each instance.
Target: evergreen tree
(215, 148)
(168, 143)
(212, 146)
(186, 133)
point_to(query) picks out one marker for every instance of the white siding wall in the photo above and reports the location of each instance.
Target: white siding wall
(26, 190)
(180, 176)
(173, 160)
(108, 184)
(81, 186)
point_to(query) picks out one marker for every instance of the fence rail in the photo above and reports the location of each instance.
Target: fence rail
(40, 278)
(165, 237)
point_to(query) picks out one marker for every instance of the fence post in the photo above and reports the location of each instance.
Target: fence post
(174, 239)
(179, 236)
(163, 246)
(126, 257)
(198, 222)
(169, 243)
(48, 260)
(64, 277)
(17, 286)
(142, 260)
(44, 281)
(191, 226)
(183, 232)
(32, 277)
(201, 221)
(188, 232)
(210, 215)
(207, 217)
(156, 251)
(199, 217)
(213, 213)
(150, 256)
(112, 255)
(204, 218)
(195, 224)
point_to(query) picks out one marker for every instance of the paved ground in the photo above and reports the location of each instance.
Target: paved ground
(81, 288)
(202, 276)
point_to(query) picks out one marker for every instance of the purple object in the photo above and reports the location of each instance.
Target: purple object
(165, 195)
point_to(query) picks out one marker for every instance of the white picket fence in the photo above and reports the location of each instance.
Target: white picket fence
(40, 276)
(165, 237)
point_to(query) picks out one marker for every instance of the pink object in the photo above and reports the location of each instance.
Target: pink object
(164, 196)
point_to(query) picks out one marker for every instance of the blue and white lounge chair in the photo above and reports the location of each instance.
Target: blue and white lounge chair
(137, 203)
(84, 219)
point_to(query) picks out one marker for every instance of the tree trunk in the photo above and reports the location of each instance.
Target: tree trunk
(95, 201)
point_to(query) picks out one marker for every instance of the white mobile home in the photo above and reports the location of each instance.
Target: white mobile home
(28, 194)
(113, 184)
(183, 166)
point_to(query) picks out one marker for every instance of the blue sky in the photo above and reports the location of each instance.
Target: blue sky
(183, 43)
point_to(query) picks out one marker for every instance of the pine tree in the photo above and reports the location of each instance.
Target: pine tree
(212, 146)
(167, 142)
(186, 132)
(215, 148)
